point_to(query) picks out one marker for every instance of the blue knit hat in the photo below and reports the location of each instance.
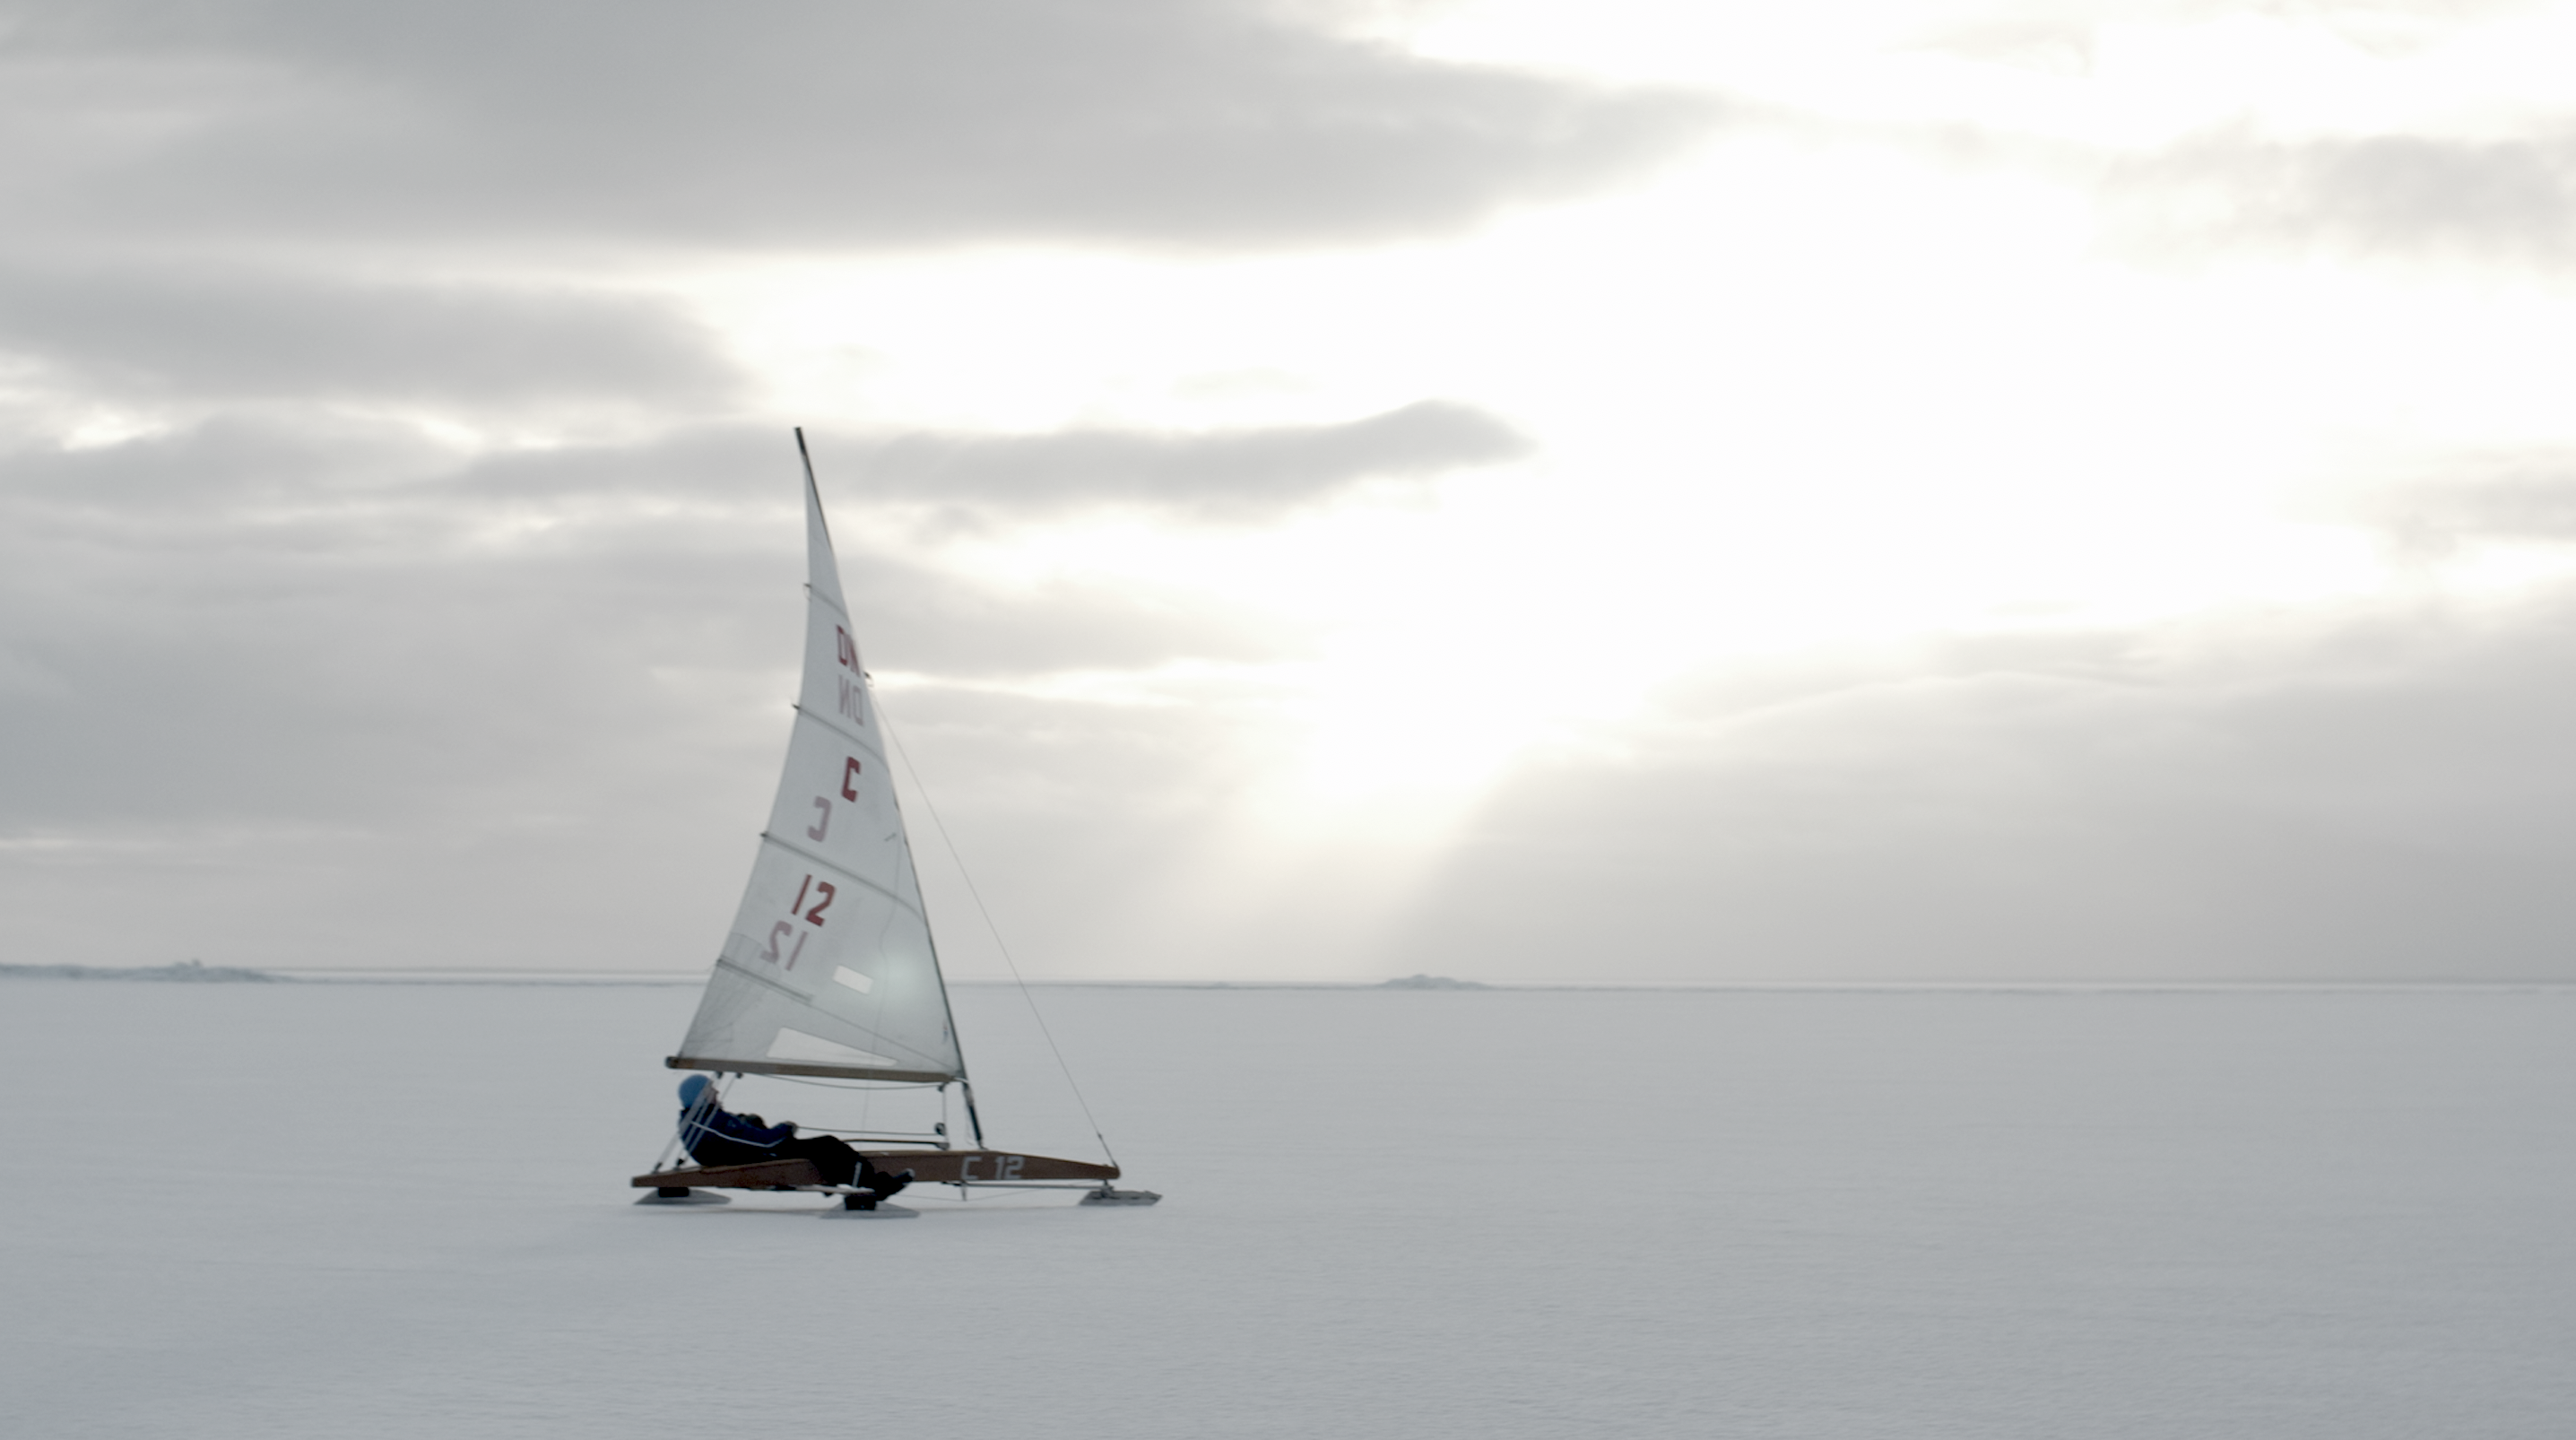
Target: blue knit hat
(692, 1088)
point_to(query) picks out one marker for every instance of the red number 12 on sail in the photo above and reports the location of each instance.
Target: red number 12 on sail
(824, 890)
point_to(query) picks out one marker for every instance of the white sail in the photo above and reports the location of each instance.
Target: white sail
(829, 968)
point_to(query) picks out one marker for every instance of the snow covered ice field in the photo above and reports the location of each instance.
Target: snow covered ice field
(401, 1210)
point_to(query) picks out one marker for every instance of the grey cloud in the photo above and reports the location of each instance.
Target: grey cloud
(2509, 497)
(278, 612)
(1204, 476)
(358, 478)
(1222, 474)
(1219, 475)
(203, 334)
(2390, 196)
(2379, 797)
(1163, 122)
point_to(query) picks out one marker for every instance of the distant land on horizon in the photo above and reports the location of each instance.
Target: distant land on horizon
(189, 972)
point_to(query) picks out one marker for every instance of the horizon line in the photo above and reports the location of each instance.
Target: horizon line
(506, 975)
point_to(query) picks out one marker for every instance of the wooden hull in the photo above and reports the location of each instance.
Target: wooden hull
(948, 1167)
(928, 1167)
(767, 1175)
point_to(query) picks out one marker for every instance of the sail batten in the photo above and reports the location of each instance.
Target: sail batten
(833, 897)
(802, 853)
(845, 732)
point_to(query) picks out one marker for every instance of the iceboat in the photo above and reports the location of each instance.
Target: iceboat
(830, 971)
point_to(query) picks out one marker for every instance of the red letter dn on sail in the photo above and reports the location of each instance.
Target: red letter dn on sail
(853, 691)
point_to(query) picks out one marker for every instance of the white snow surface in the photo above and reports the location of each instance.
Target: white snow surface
(391, 1210)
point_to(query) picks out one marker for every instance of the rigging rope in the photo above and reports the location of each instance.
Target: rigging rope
(990, 928)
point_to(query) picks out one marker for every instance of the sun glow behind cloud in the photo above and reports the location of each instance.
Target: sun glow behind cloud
(1763, 426)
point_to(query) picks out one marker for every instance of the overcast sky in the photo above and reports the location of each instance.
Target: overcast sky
(1531, 490)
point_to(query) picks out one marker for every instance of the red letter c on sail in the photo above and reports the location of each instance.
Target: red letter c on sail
(850, 779)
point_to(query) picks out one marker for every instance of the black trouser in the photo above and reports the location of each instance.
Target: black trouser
(832, 1155)
(839, 1164)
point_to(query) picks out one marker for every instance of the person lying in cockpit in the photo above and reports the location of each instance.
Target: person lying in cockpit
(714, 1135)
